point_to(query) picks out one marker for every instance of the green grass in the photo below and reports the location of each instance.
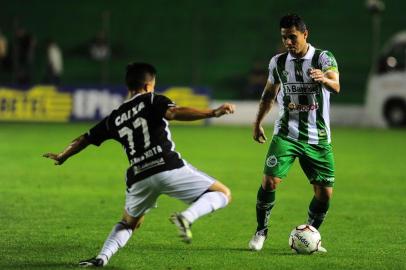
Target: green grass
(51, 217)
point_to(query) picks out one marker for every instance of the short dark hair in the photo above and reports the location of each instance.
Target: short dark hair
(291, 20)
(138, 74)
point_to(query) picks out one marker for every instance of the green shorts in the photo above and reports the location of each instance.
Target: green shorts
(317, 161)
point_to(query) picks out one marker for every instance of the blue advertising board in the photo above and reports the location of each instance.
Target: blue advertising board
(47, 103)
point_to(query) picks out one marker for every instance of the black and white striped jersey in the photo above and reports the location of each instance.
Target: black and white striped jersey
(139, 125)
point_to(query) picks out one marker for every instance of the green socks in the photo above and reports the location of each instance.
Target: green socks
(265, 202)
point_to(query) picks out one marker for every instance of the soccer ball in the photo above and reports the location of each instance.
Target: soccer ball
(304, 239)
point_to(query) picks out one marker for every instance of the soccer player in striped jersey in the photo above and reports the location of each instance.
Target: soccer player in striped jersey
(140, 125)
(300, 80)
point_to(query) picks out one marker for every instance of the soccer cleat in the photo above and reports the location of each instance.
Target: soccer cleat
(321, 249)
(183, 227)
(93, 262)
(257, 241)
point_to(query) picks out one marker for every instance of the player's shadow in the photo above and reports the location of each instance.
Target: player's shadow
(154, 247)
(270, 252)
(46, 265)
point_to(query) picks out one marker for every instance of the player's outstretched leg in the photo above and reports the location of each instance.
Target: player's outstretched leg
(218, 196)
(118, 237)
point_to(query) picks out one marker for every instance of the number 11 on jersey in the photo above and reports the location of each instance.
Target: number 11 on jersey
(129, 133)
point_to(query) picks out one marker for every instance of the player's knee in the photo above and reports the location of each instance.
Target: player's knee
(270, 183)
(133, 223)
(325, 197)
(220, 187)
(227, 192)
(323, 194)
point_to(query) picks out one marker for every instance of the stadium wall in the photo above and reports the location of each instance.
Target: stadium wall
(45, 103)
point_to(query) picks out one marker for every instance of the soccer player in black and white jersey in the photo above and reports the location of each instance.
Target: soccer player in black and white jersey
(140, 125)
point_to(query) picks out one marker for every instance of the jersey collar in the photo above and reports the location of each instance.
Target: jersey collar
(137, 95)
(308, 55)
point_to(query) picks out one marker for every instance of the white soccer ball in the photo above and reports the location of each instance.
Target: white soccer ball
(304, 239)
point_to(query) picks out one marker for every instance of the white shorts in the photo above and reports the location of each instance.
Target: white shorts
(185, 184)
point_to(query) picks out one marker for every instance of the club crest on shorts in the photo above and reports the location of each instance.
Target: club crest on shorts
(271, 161)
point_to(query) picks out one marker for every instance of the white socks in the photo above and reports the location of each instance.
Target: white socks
(117, 239)
(207, 203)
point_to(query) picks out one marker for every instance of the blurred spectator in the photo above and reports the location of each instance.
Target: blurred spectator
(3, 57)
(23, 55)
(99, 47)
(54, 63)
(256, 81)
(3, 46)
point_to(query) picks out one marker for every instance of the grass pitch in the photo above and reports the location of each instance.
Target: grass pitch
(51, 217)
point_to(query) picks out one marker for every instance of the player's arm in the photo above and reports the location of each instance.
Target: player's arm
(73, 148)
(265, 105)
(330, 79)
(190, 114)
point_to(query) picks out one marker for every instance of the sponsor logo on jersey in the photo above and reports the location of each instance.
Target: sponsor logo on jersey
(302, 108)
(129, 114)
(271, 161)
(301, 88)
(148, 165)
(147, 154)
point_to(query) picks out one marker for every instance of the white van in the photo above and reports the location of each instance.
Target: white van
(386, 89)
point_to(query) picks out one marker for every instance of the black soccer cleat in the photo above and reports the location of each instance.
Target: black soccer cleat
(183, 227)
(93, 262)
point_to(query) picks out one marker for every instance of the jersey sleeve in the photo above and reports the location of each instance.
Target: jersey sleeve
(99, 133)
(328, 62)
(160, 105)
(273, 74)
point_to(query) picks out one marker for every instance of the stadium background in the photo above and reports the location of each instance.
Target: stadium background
(198, 43)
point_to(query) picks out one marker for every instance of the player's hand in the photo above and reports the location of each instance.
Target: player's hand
(259, 134)
(317, 75)
(226, 108)
(59, 159)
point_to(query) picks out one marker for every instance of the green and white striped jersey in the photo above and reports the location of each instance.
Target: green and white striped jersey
(304, 105)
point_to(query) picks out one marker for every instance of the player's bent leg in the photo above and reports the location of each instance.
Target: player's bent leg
(264, 205)
(220, 187)
(217, 196)
(118, 237)
(319, 205)
(203, 193)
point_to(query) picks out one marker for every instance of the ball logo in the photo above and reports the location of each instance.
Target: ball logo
(302, 239)
(271, 161)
